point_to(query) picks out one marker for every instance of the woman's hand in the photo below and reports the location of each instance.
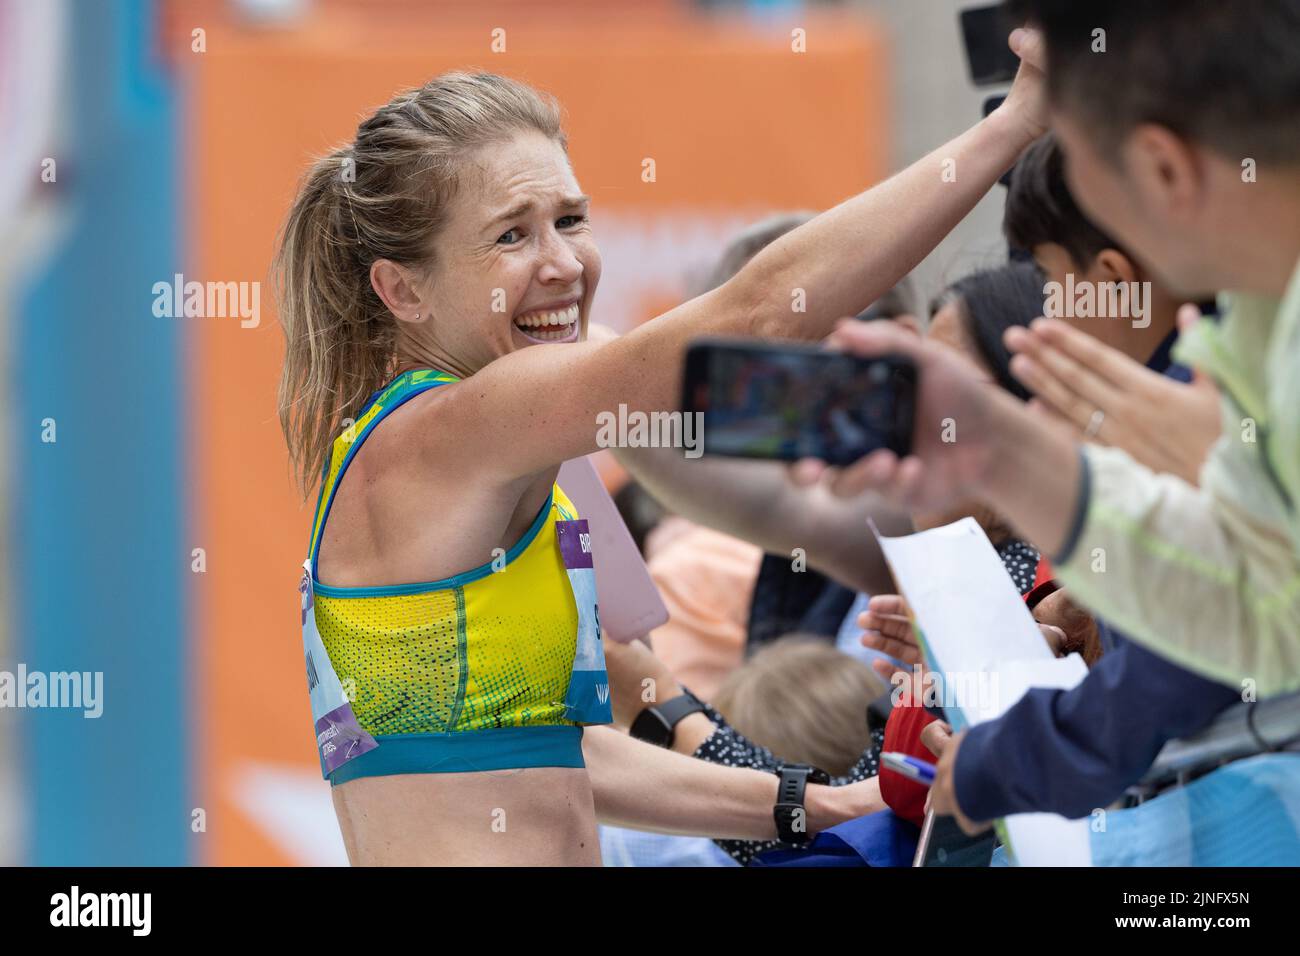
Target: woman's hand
(828, 806)
(637, 678)
(1107, 397)
(1027, 100)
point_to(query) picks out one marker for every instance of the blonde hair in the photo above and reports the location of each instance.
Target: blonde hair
(805, 701)
(382, 196)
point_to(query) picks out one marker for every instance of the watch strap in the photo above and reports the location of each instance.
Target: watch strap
(789, 812)
(657, 723)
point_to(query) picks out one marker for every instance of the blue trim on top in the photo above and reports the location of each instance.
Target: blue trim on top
(352, 453)
(455, 581)
(467, 751)
(325, 469)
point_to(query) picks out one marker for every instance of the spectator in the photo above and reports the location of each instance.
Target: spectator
(1164, 172)
(1073, 751)
(1042, 217)
(706, 579)
(801, 699)
(1155, 137)
(639, 679)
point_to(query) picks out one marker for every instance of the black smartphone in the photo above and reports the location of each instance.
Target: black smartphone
(791, 400)
(985, 31)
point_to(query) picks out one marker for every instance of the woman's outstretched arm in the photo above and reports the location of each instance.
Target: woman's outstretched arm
(639, 785)
(757, 502)
(538, 406)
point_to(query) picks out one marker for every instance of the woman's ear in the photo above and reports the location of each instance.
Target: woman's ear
(1115, 266)
(395, 284)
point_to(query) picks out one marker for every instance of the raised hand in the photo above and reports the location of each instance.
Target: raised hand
(1027, 99)
(953, 437)
(1104, 396)
(887, 628)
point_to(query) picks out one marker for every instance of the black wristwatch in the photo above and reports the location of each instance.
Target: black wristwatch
(656, 723)
(790, 815)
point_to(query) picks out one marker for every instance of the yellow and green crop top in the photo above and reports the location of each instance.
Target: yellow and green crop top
(467, 673)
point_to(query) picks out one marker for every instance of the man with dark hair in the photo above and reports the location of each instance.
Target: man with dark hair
(1220, 75)
(1042, 218)
(1071, 751)
(1180, 121)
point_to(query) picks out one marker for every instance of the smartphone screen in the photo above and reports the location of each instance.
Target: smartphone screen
(985, 31)
(790, 400)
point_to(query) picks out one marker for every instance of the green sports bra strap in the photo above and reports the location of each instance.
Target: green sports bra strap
(392, 397)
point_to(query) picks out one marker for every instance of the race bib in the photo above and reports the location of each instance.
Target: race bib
(587, 701)
(339, 738)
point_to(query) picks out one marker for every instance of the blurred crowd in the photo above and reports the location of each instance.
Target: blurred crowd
(1183, 398)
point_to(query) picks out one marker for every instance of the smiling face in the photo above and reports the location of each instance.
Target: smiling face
(515, 264)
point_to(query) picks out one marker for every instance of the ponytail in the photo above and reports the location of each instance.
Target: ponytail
(338, 343)
(384, 196)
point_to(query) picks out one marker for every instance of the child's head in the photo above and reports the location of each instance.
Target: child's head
(1042, 218)
(973, 314)
(803, 700)
(970, 317)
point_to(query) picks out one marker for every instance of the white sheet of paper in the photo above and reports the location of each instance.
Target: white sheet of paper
(978, 631)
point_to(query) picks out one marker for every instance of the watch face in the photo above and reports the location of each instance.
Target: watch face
(662, 731)
(651, 727)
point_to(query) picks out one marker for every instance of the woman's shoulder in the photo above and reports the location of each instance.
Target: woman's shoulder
(404, 438)
(410, 406)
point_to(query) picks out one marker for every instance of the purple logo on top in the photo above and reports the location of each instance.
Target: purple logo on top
(575, 543)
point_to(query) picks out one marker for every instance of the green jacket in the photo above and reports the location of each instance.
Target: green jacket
(1210, 576)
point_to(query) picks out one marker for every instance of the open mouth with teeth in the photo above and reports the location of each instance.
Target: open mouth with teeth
(556, 325)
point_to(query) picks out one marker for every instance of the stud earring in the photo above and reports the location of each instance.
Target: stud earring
(417, 317)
